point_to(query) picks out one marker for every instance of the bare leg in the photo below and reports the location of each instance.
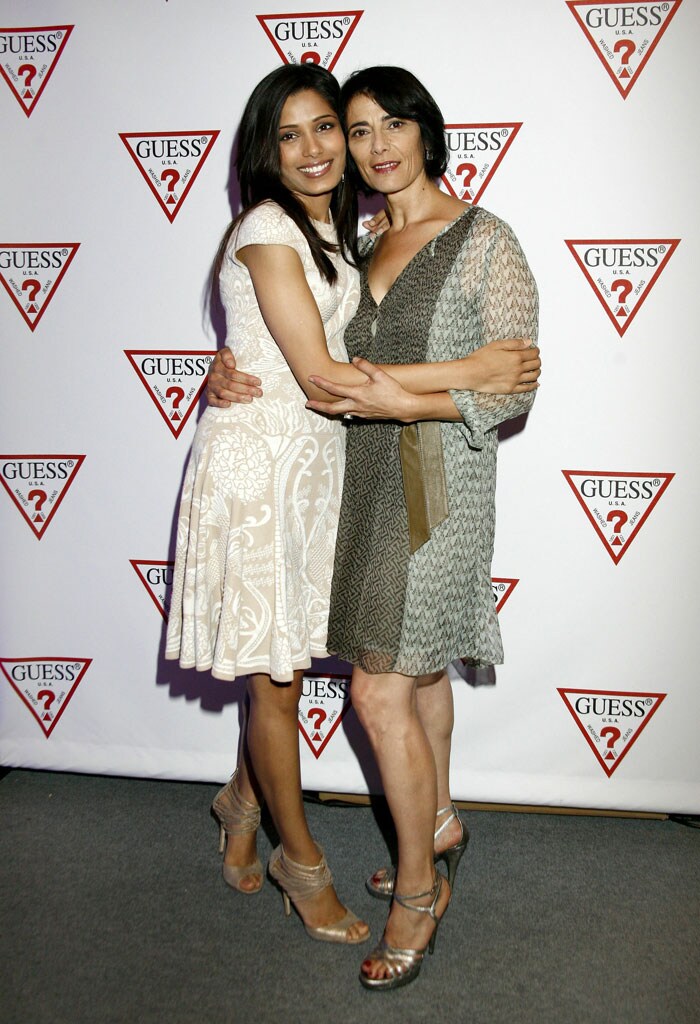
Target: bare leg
(242, 849)
(387, 708)
(273, 745)
(436, 711)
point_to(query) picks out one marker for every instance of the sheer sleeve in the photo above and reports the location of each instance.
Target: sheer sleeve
(507, 305)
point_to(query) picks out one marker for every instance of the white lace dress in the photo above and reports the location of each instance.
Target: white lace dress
(259, 508)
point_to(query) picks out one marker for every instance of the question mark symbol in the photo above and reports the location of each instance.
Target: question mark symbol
(614, 734)
(48, 697)
(32, 286)
(621, 518)
(29, 71)
(172, 177)
(38, 496)
(320, 716)
(177, 394)
(310, 57)
(628, 46)
(468, 170)
(623, 287)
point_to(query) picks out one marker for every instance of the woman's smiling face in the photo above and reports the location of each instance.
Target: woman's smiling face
(312, 146)
(388, 151)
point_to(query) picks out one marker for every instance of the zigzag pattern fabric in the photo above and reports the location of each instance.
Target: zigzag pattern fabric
(414, 614)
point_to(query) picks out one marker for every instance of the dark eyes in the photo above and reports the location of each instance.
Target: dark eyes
(324, 126)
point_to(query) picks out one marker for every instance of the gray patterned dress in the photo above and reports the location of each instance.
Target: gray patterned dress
(393, 611)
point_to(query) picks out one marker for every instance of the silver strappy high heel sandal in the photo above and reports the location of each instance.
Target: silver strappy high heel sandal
(383, 888)
(237, 817)
(403, 965)
(300, 882)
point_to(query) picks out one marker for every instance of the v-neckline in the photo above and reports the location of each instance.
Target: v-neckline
(431, 241)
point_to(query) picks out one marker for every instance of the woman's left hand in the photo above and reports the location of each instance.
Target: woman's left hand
(377, 224)
(380, 397)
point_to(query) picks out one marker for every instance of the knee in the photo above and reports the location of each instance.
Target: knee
(269, 698)
(371, 706)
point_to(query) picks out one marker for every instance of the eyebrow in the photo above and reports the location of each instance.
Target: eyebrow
(321, 117)
(387, 117)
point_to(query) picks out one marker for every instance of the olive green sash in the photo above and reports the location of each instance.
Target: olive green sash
(423, 469)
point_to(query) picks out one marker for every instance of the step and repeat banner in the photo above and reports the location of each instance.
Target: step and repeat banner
(574, 121)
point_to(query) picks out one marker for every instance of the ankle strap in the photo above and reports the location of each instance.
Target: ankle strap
(452, 815)
(301, 881)
(434, 891)
(238, 816)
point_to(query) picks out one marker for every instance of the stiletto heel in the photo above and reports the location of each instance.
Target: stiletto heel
(237, 817)
(300, 882)
(452, 856)
(383, 889)
(403, 965)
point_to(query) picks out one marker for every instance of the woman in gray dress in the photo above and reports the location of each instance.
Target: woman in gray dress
(411, 581)
(411, 587)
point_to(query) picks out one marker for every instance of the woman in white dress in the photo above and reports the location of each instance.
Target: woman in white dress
(260, 501)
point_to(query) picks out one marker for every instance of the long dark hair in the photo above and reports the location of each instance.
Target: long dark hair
(401, 94)
(258, 164)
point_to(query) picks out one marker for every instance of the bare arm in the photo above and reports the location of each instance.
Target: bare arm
(505, 366)
(291, 315)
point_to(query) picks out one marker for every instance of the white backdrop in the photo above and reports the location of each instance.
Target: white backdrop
(603, 158)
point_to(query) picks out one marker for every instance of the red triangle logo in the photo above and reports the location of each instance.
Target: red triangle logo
(37, 484)
(169, 163)
(502, 589)
(317, 38)
(45, 685)
(322, 706)
(29, 56)
(610, 720)
(623, 35)
(622, 272)
(475, 152)
(31, 273)
(175, 380)
(617, 504)
(157, 578)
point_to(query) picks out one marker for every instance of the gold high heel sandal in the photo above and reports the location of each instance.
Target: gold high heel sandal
(300, 882)
(383, 889)
(403, 965)
(237, 817)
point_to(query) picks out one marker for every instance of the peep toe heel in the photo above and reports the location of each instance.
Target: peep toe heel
(300, 882)
(403, 965)
(383, 888)
(237, 817)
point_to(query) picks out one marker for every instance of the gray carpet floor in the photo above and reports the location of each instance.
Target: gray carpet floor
(114, 912)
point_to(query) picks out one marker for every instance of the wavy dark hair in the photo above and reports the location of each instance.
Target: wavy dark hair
(258, 164)
(400, 93)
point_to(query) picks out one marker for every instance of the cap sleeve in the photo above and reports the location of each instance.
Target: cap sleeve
(266, 224)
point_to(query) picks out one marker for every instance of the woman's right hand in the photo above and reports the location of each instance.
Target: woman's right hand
(508, 366)
(226, 384)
